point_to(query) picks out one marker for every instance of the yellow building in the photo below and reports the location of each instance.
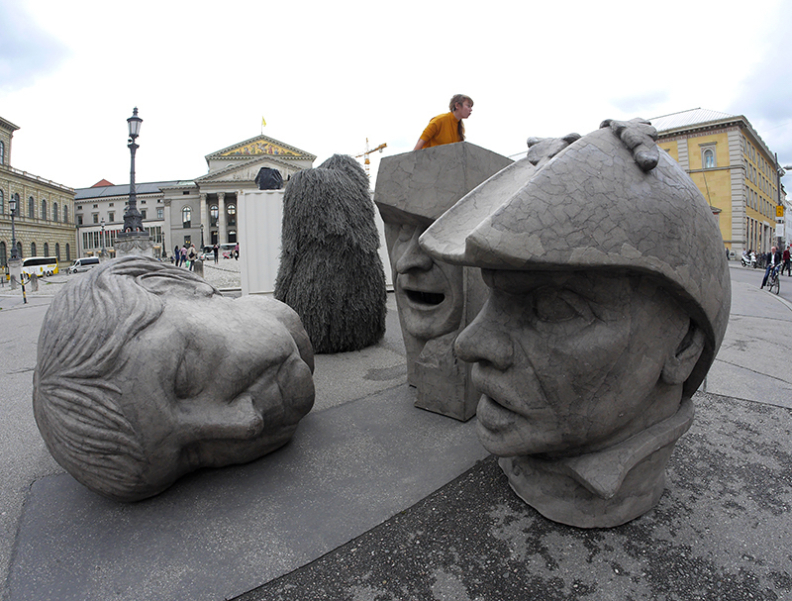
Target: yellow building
(732, 167)
(44, 218)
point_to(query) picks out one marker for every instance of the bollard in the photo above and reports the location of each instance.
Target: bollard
(198, 268)
(34, 282)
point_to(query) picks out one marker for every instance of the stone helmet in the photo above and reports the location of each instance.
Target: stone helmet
(610, 200)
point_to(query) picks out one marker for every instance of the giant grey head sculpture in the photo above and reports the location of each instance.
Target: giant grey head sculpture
(609, 298)
(435, 299)
(145, 373)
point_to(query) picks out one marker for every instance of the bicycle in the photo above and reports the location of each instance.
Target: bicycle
(773, 281)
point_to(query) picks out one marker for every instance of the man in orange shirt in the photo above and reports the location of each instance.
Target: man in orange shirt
(447, 128)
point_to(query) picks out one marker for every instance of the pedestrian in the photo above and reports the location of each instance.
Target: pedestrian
(176, 255)
(183, 255)
(448, 127)
(216, 251)
(192, 255)
(786, 258)
(236, 252)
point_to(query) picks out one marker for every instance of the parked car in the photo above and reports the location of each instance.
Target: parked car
(207, 254)
(227, 250)
(83, 264)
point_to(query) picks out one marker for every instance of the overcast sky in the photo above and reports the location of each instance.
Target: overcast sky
(328, 75)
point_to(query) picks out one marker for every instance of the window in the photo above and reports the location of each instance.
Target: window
(31, 208)
(3, 257)
(231, 214)
(2, 153)
(142, 202)
(65, 213)
(79, 220)
(43, 209)
(18, 210)
(214, 212)
(111, 216)
(2, 203)
(186, 217)
(160, 213)
(68, 252)
(57, 251)
(54, 211)
(143, 214)
(709, 159)
(46, 249)
(112, 204)
(96, 217)
(32, 249)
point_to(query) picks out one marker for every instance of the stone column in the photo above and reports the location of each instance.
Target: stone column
(222, 233)
(205, 220)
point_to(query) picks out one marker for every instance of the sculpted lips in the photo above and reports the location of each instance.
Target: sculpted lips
(419, 297)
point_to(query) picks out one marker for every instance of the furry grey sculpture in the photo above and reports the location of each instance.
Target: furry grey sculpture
(330, 272)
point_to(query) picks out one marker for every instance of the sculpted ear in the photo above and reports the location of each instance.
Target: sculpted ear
(678, 367)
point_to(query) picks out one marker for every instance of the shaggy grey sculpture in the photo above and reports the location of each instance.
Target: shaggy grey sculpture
(330, 272)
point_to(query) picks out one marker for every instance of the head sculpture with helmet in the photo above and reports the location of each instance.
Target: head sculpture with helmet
(609, 299)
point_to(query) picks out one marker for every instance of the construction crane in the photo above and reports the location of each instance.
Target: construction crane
(366, 154)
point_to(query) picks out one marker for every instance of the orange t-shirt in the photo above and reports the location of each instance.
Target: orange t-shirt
(441, 130)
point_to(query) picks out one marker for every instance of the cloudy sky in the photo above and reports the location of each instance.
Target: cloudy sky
(329, 75)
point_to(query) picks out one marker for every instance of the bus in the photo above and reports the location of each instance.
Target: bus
(41, 266)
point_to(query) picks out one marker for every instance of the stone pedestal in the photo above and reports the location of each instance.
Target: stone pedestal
(134, 243)
(15, 271)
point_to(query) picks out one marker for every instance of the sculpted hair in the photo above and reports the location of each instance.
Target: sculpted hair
(75, 400)
(459, 99)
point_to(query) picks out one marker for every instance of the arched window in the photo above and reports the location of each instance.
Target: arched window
(2, 203)
(709, 159)
(46, 249)
(3, 258)
(214, 213)
(18, 209)
(33, 249)
(186, 217)
(54, 211)
(231, 210)
(2, 153)
(31, 208)
(65, 213)
(68, 252)
(44, 209)
(57, 251)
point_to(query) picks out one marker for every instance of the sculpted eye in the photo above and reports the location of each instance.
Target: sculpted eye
(188, 381)
(554, 306)
(182, 387)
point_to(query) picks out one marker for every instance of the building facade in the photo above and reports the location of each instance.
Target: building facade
(100, 215)
(734, 170)
(203, 211)
(44, 218)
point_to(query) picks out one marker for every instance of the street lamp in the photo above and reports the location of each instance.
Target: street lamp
(13, 204)
(103, 237)
(202, 238)
(133, 220)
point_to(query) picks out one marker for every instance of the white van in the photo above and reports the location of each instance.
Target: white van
(83, 264)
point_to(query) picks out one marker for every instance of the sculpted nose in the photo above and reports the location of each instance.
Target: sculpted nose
(413, 256)
(484, 342)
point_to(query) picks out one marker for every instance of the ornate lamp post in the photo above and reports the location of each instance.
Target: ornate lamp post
(133, 220)
(103, 237)
(12, 202)
(202, 238)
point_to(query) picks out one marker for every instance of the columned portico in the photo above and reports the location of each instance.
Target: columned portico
(204, 219)
(222, 227)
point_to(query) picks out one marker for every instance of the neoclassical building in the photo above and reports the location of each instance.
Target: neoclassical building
(204, 210)
(200, 211)
(733, 168)
(44, 219)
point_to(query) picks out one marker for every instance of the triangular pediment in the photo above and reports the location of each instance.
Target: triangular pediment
(260, 146)
(247, 170)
